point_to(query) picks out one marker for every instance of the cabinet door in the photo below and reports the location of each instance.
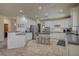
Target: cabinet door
(58, 35)
(28, 36)
(75, 16)
(11, 42)
(20, 41)
(73, 50)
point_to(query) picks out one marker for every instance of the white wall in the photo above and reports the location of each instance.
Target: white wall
(64, 23)
(10, 23)
(1, 29)
(30, 22)
(75, 18)
(26, 22)
(7, 21)
(20, 20)
(1, 32)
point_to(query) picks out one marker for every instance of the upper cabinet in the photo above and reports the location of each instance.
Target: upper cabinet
(75, 16)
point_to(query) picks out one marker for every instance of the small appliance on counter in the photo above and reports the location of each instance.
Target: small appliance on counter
(34, 30)
(67, 30)
(27, 30)
(46, 30)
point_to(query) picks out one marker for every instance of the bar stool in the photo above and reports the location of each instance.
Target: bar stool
(37, 39)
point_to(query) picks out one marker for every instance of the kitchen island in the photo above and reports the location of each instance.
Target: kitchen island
(58, 35)
(72, 40)
(18, 39)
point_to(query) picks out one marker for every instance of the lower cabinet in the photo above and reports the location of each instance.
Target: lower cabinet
(20, 41)
(58, 35)
(73, 50)
(11, 42)
(28, 36)
(17, 41)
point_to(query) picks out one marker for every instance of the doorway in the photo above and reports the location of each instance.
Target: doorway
(5, 30)
(5, 35)
(39, 28)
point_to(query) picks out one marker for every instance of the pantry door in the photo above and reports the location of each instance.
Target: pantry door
(5, 30)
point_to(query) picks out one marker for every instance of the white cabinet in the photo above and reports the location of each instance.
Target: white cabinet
(15, 41)
(73, 50)
(11, 42)
(74, 13)
(75, 17)
(28, 36)
(59, 36)
(20, 41)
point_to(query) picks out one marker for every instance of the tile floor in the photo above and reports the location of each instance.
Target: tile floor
(35, 49)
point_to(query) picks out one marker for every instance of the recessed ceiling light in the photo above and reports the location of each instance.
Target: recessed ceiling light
(36, 16)
(21, 11)
(39, 7)
(14, 24)
(46, 14)
(24, 19)
(61, 10)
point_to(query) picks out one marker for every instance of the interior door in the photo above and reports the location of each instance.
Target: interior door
(5, 30)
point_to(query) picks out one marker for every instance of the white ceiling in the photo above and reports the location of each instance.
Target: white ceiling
(31, 9)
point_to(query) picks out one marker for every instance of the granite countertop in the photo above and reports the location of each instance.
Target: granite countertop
(22, 33)
(73, 33)
(18, 33)
(70, 42)
(44, 33)
(57, 32)
(51, 32)
(74, 43)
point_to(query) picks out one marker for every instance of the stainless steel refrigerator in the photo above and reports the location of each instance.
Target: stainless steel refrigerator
(34, 30)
